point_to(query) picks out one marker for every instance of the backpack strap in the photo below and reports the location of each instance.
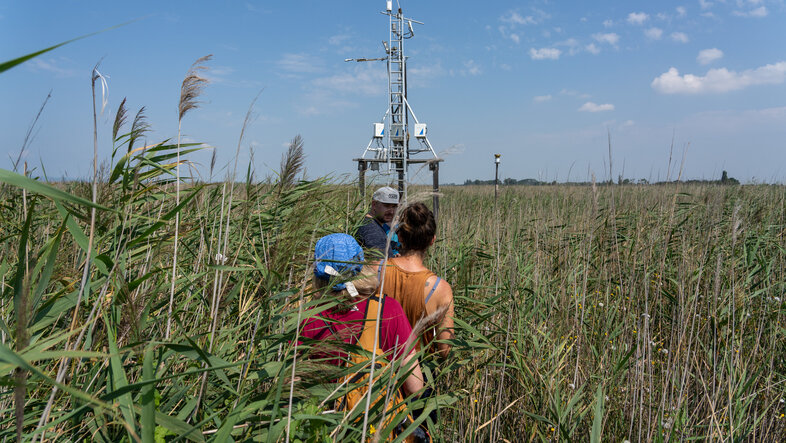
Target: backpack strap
(371, 323)
(434, 288)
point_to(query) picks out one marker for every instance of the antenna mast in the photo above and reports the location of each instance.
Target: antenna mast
(390, 150)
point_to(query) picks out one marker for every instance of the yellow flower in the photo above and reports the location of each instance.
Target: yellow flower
(371, 429)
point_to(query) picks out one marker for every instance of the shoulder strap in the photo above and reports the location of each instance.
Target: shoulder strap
(434, 288)
(370, 324)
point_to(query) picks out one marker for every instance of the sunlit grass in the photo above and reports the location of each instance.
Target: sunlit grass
(615, 312)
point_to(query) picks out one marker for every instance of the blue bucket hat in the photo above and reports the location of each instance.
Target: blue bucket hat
(338, 255)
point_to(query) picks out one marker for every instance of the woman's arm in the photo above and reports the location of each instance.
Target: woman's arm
(414, 381)
(442, 300)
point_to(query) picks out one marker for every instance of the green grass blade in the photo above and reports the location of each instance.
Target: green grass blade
(119, 380)
(20, 181)
(597, 422)
(51, 258)
(19, 60)
(148, 397)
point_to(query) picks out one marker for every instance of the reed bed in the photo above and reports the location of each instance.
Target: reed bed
(642, 312)
(146, 306)
(622, 312)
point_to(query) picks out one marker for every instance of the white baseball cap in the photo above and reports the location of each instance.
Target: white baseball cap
(386, 195)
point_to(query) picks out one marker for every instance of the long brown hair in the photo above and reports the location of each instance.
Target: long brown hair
(417, 227)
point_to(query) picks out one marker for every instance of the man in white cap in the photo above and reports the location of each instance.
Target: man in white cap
(374, 232)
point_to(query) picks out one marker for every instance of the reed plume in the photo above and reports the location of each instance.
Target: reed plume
(291, 163)
(120, 118)
(139, 127)
(192, 86)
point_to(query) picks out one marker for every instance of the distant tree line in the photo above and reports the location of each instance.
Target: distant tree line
(724, 180)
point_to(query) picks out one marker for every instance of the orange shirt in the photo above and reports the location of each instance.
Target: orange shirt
(409, 289)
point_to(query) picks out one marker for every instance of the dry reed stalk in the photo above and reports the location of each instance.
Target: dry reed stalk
(223, 247)
(303, 285)
(190, 90)
(95, 75)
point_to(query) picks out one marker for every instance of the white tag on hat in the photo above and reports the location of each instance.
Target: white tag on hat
(329, 270)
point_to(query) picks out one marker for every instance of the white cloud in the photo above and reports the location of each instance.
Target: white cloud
(338, 39)
(52, 65)
(571, 42)
(637, 18)
(718, 80)
(366, 80)
(592, 107)
(544, 53)
(299, 64)
(218, 74)
(759, 12)
(573, 45)
(506, 33)
(511, 20)
(610, 38)
(608, 23)
(541, 98)
(681, 11)
(592, 48)
(254, 8)
(514, 18)
(471, 68)
(707, 56)
(680, 37)
(424, 72)
(654, 33)
(705, 4)
(572, 93)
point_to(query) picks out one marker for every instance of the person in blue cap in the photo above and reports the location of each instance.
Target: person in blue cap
(339, 269)
(377, 223)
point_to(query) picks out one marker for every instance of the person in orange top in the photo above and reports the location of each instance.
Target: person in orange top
(424, 296)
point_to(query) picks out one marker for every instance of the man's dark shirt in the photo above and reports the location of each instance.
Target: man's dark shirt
(373, 235)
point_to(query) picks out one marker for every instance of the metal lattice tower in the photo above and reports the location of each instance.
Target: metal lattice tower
(391, 150)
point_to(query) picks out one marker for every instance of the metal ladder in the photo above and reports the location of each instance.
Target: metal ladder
(397, 87)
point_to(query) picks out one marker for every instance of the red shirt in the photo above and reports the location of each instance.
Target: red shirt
(394, 329)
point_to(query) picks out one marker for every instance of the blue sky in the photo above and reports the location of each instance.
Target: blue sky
(542, 82)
